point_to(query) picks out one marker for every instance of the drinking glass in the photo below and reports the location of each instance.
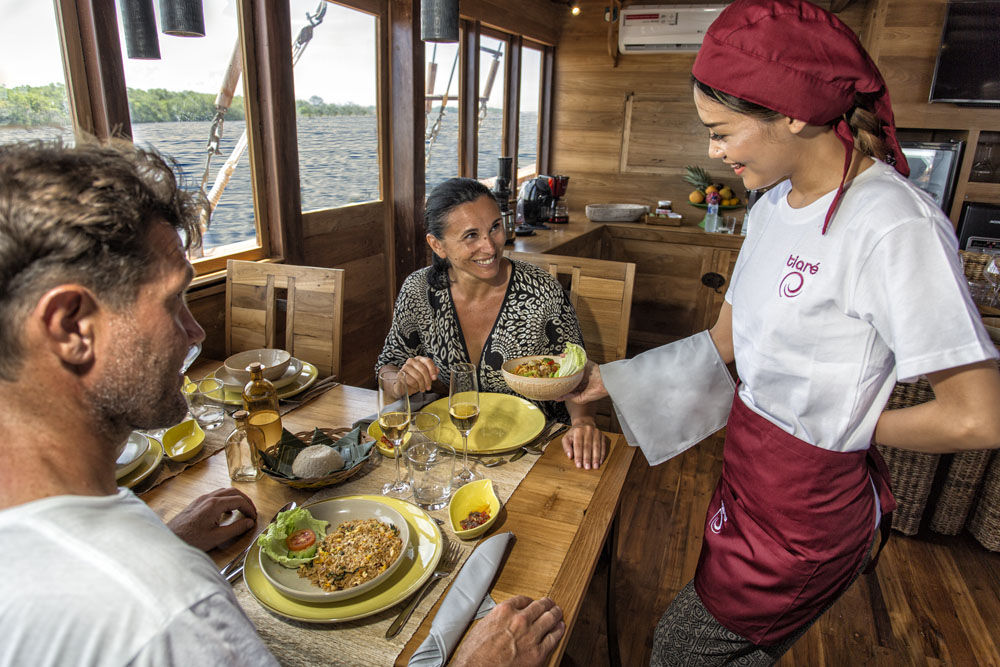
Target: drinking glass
(463, 408)
(394, 420)
(205, 401)
(430, 469)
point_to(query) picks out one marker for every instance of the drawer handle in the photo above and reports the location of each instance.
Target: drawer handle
(713, 280)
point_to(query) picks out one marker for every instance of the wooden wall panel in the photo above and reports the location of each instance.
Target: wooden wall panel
(353, 238)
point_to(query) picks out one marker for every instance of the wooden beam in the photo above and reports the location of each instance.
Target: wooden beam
(270, 107)
(545, 111)
(468, 96)
(95, 76)
(406, 118)
(512, 99)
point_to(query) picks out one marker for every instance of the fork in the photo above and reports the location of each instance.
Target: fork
(443, 569)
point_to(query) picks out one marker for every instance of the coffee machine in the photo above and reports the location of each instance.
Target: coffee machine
(558, 214)
(502, 192)
(540, 202)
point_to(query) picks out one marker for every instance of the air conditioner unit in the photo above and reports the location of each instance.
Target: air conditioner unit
(664, 28)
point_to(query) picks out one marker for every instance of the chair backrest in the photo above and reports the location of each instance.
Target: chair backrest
(313, 300)
(601, 292)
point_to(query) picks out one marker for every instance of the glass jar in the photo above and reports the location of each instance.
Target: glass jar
(242, 450)
(260, 400)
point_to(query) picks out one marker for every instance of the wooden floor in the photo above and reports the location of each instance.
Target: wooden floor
(933, 600)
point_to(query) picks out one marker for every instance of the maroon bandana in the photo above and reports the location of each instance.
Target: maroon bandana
(799, 60)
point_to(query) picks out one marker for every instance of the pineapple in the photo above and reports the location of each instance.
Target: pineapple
(697, 177)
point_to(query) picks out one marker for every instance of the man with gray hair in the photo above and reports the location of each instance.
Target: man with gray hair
(95, 328)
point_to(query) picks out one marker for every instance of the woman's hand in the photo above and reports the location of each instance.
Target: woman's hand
(585, 444)
(420, 372)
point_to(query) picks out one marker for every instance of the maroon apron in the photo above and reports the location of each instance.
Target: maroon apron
(787, 528)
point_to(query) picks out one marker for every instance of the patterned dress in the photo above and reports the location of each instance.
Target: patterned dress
(536, 317)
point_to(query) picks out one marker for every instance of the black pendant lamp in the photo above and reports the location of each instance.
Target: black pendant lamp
(439, 20)
(182, 18)
(139, 25)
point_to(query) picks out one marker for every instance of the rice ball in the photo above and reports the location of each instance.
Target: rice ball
(317, 461)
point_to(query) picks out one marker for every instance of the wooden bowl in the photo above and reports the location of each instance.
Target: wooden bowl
(274, 361)
(539, 389)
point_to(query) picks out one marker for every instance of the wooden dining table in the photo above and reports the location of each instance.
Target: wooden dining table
(561, 515)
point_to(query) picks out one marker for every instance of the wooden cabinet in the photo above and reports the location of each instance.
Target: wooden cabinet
(671, 299)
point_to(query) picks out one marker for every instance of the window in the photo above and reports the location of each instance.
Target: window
(527, 140)
(336, 86)
(33, 101)
(491, 105)
(172, 107)
(441, 112)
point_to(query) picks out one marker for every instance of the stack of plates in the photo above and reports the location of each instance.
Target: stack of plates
(420, 556)
(299, 377)
(140, 457)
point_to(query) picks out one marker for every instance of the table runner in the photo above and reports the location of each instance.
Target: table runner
(363, 642)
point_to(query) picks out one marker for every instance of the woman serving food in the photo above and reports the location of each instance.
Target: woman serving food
(472, 305)
(849, 281)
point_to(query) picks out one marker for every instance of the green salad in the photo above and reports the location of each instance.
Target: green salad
(293, 538)
(573, 359)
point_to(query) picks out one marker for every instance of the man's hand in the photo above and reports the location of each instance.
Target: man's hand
(585, 444)
(518, 632)
(198, 524)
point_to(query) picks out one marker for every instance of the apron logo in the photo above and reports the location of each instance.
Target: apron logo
(719, 520)
(793, 281)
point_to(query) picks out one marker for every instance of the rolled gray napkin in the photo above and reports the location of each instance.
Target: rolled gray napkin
(417, 401)
(462, 602)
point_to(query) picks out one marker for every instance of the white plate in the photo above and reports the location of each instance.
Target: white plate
(294, 368)
(130, 458)
(336, 511)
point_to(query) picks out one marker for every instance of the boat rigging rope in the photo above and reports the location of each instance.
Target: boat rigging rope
(432, 132)
(222, 103)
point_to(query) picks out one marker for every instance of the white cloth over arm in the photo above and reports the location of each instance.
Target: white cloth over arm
(671, 397)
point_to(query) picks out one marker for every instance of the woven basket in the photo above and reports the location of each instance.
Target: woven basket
(985, 522)
(316, 482)
(911, 473)
(974, 263)
(958, 491)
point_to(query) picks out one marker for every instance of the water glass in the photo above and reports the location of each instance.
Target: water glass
(423, 427)
(205, 401)
(430, 467)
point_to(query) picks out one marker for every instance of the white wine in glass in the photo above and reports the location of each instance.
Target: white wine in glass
(463, 408)
(394, 420)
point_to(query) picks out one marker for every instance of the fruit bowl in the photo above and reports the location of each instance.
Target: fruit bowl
(538, 389)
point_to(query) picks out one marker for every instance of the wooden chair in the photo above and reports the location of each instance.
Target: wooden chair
(313, 300)
(601, 292)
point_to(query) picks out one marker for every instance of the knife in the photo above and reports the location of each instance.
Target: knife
(540, 440)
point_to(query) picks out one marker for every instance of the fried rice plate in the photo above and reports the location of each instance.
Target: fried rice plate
(355, 552)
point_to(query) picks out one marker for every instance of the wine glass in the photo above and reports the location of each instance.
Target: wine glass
(992, 274)
(394, 420)
(463, 408)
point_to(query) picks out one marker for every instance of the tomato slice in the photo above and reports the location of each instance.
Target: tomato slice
(300, 539)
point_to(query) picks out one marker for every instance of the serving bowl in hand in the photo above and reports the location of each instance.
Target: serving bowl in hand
(539, 389)
(274, 361)
(473, 497)
(336, 511)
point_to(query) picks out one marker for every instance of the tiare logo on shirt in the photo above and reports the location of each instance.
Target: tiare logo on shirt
(719, 520)
(791, 285)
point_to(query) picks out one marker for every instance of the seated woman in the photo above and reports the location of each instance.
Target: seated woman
(473, 305)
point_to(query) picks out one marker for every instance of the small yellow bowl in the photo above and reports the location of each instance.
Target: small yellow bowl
(383, 445)
(183, 441)
(473, 497)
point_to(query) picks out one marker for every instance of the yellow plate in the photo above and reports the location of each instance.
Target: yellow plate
(505, 423)
(421, 557)
(150, 460)
(302, 381)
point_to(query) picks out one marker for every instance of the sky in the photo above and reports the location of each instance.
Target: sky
(337, 66)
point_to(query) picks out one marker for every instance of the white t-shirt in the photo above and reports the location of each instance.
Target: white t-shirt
(102, 581)
(824, 325)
